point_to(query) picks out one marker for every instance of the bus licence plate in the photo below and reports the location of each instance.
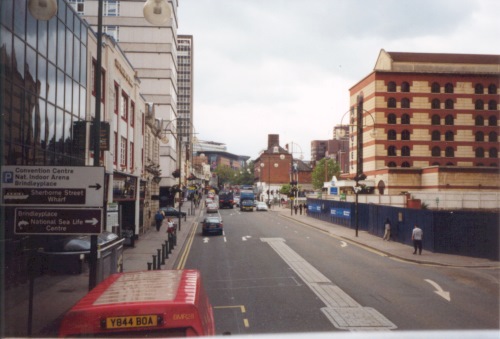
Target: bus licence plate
(132, 321)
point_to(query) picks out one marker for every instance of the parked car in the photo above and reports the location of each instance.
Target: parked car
(208, 201)
(261, 206)
(212, 208)
(212, 224)
(172, 212)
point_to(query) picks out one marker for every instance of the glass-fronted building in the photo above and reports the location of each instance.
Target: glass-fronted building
(43, 73)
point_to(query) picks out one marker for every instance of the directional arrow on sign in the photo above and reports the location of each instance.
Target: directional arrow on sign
(439, 291)
(96, 186)
(92, 221)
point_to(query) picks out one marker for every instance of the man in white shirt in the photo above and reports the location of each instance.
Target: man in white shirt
(417, 236)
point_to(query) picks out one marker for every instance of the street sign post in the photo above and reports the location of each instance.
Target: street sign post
(52, 186)
(48, 221)
(72, 198)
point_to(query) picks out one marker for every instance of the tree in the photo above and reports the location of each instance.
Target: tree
(225, 174)
(318, 174)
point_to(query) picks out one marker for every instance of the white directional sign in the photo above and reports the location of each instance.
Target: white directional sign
(52, 186)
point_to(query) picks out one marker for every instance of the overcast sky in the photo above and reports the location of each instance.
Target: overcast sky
(285, 66)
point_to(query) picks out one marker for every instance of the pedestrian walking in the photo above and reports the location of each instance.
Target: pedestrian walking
(300, 209)
(387, 227)
(417, 236)
(295, 208)
(159, 220)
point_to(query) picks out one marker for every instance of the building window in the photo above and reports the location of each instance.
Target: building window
(131, 156)
(479, 121)
(391, 164)
(448, 88)
(479, 136)
(436, 120)
(405, 164)
(391, 151)
(124, 106)
(111, 8)
(132, 113)
(479, 152)
(405, 151)
(115, 160)
(436, 151)
(391, 135)
(117, 99)
(492, 120)
(78, 6)
(479, 89)
(493, 153)
(450, 164)
(435, 104)
(391, 86)
(435, 87)
(391, 119)
(405, 103)
(449, 152)
(449, 136)
(123, 152)
(391, 103)
(405, 87)
(492, 89)
(448, 120)
(405, 135)
(405, 119)
(493, 137)
(449, 104)
(479, 105)
(492, 105)
(436, 136)
(112, 31)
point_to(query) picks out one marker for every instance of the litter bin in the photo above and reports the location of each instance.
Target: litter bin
(67, 255)
(128, 235)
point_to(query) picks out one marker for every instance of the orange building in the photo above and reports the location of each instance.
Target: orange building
(427, 122)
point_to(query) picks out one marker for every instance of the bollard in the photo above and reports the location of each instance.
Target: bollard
(166, 249)
(175, 238)
(159, 259)
(149, 266)
(163, 250)
(170, 243)
(154, 262)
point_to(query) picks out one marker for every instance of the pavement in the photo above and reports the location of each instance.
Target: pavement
(56, 294)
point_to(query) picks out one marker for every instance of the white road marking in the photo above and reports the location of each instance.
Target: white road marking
(343, 244)
(342, 310)
(205, 240)
(439, 291)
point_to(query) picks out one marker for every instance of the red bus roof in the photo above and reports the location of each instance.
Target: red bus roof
(175, 298)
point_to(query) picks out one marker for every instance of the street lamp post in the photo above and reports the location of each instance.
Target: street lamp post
(360, 176)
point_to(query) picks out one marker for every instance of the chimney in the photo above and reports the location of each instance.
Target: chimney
(273, 140)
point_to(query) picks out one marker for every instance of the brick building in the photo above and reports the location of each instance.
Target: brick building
(427, 122)
(276, 167)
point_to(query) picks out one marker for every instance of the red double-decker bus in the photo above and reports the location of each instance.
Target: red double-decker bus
(163, 303)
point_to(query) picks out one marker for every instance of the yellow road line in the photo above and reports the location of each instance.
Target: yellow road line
(187, 249)
(242, 309)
